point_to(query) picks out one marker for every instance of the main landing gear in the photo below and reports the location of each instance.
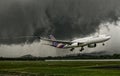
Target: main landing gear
(81, 49)
(72, 49)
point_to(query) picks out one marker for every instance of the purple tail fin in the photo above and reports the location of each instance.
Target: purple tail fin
(56, 44)
(52, 37)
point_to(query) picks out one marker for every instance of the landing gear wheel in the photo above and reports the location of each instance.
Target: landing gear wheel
(81, 49)
(71, 49)
(103, 44)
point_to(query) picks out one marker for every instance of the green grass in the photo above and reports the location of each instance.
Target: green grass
(69, 68)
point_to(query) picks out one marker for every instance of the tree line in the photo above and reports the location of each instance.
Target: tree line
(79, 56)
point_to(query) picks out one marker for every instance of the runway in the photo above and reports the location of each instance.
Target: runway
(88, 60)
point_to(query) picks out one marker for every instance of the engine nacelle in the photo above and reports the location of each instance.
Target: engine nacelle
(92, 45)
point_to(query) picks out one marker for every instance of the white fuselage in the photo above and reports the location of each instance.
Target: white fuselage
(88, 40)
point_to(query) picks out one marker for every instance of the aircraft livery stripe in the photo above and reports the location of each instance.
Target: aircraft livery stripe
(60, 45)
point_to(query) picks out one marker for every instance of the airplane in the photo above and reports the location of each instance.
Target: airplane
(91, 42)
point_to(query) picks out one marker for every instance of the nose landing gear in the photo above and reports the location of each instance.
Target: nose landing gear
(103, 44)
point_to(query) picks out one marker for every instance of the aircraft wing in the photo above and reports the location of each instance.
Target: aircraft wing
(59, 41)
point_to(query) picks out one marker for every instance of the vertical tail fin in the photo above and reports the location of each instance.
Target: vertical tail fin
(52, 37)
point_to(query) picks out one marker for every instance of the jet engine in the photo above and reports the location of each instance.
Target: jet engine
(92, 45)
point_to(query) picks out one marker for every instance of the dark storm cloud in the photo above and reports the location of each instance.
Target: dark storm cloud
(63, 18)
